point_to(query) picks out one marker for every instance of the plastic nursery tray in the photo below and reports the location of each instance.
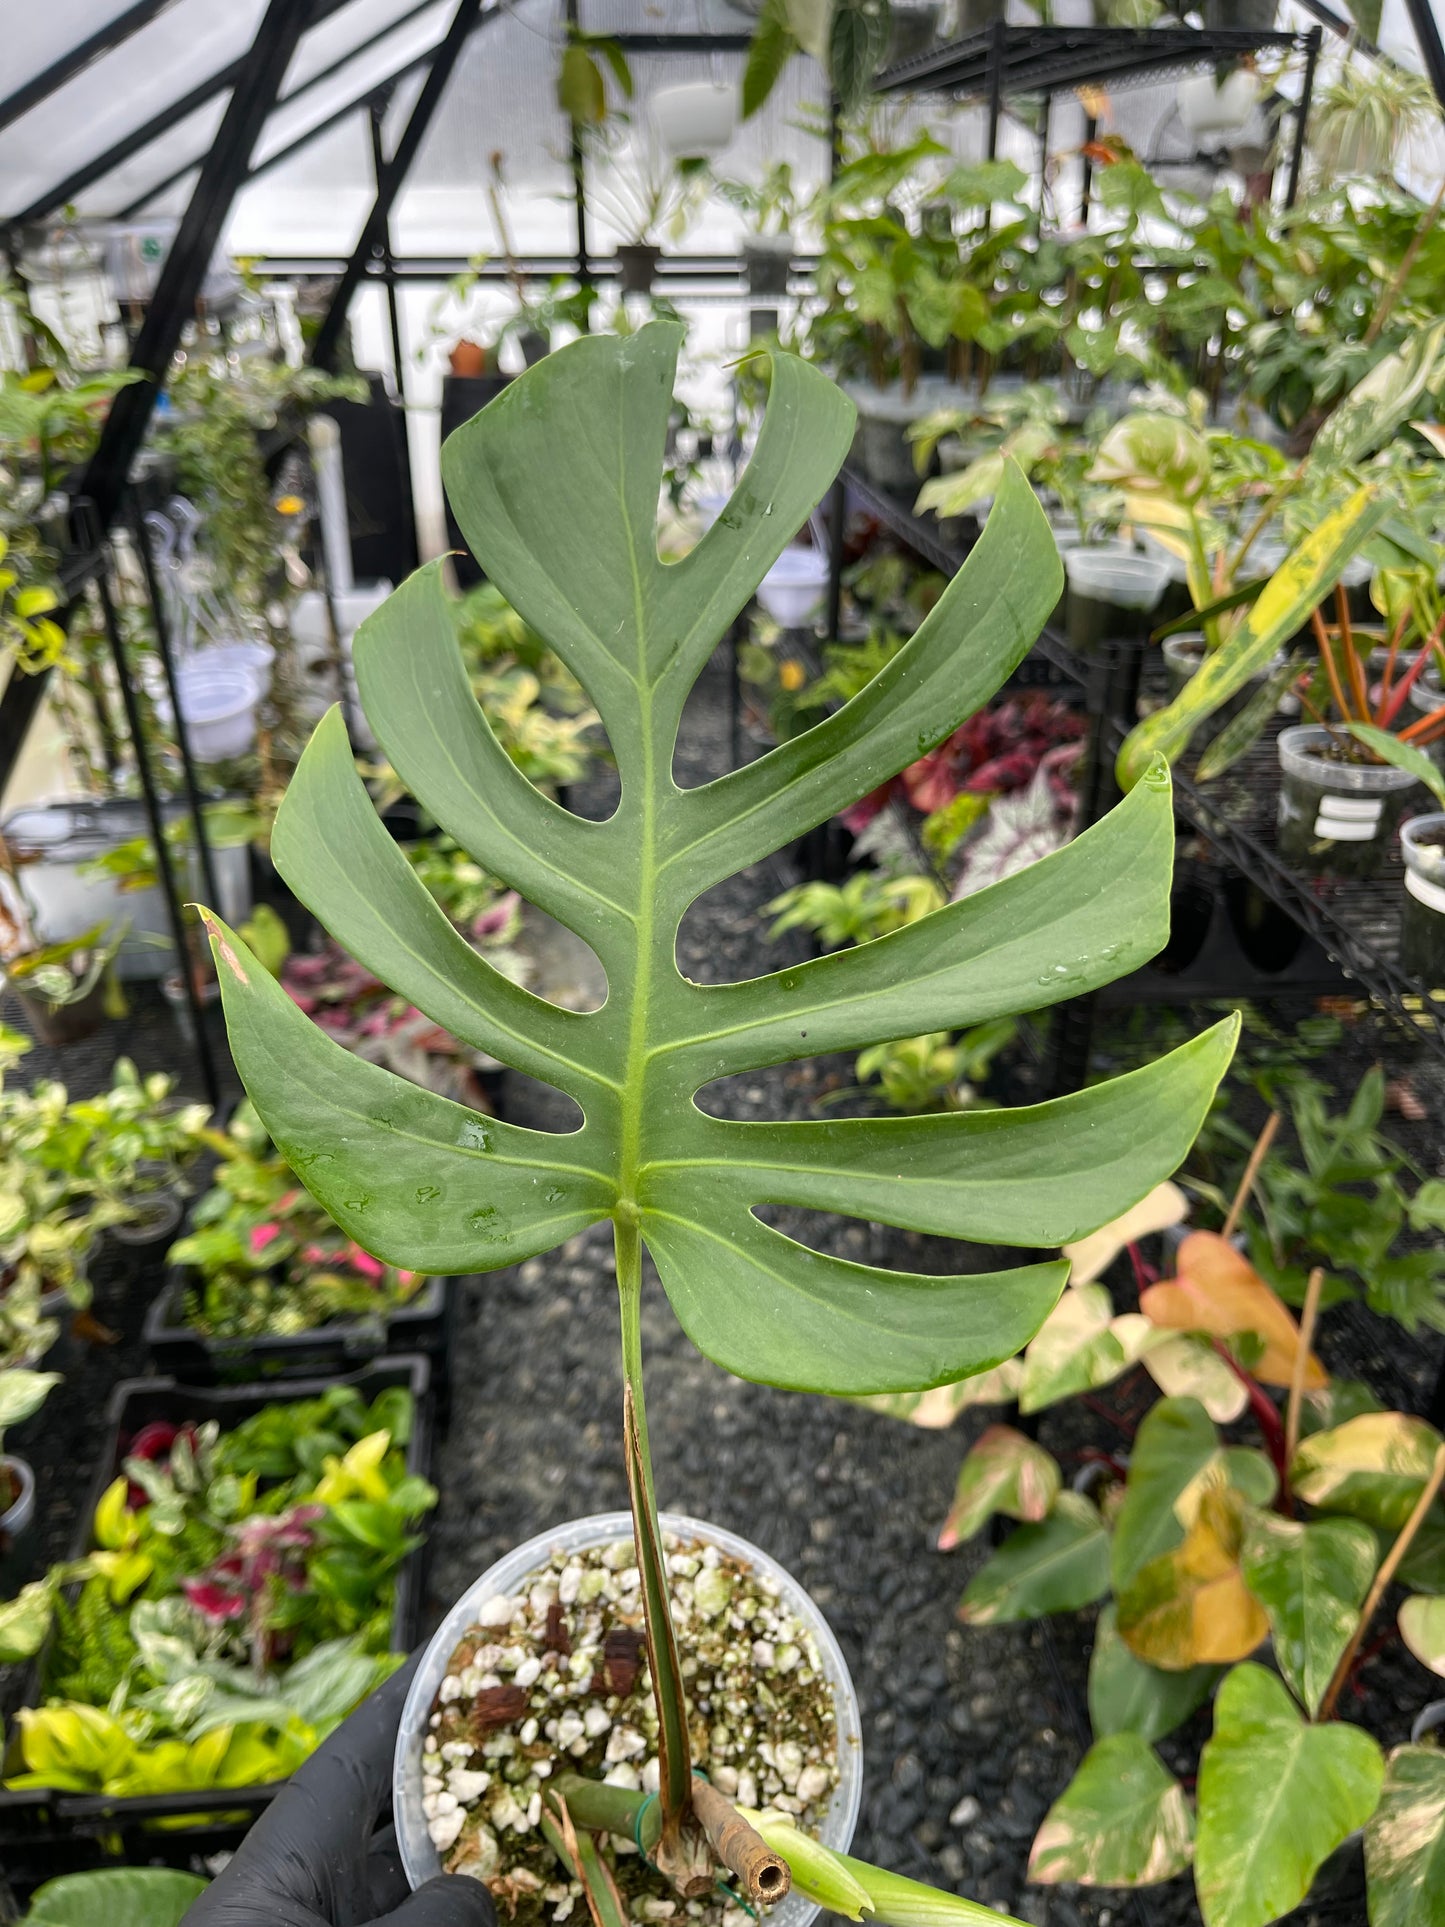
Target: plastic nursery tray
(43, 1834)
(422, 1327)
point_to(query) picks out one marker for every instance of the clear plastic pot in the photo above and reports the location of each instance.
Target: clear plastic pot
(419, 1857)
(1424, 699)
(218, 701)
(794, 586)
(1183, 659)
(1336, 818)
(1422, 919)
(1113, 594)
(17, 1527)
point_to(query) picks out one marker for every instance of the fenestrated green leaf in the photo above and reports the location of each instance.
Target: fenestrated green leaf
(1054, 1567)
(1276, 1797)
(1311, 1580)
(1373, 1467)
(1405, 1842)
(1422, 1627)
(1122, 1821)
(115, 1897)
(556, 485)
(1003, 1472)
(1174, 1444)
(1127, 1695)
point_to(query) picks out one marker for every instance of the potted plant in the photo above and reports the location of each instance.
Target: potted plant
(1422, 914)
(643, 195)
(429, 1185)
(771, 208)
(22, 1393)
(45, 1245)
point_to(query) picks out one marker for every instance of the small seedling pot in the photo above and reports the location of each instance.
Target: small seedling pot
(1336, 818)
(1422, 916)
(881, 443)
(1426, 696)
(259, 658)
(18, 1529)
(57, 1025)
(418, 1855)
(1113, 594)
(637, 267)
(1184, 656)
(794, 586)
(695, 118)
(768, 261)
(218, 698)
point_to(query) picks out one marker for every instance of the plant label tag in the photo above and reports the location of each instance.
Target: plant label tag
(1432, 895)
(1349, 819)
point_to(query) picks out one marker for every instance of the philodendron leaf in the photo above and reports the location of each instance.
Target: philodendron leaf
(1080, 1344)
(1422, 1627)
(1126, 1695)
(1122, 1821)
(116, 1897)
(1373, 1467)
(1311, 1580)
(1405, 1842)
(1003, 1472)
(1183, 1366)
(1276, 1797)
(1190, 1607)
(938, 1407)
(1175, 1442)
(1054, 1567)
(1218, 1291)
(556, 486)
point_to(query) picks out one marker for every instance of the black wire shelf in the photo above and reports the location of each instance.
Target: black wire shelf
(1356, 922)
(1045, 60)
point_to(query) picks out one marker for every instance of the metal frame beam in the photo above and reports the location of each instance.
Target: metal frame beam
(1427, 36)
(173, 303)
(394, 173)
(94, 47)
(151, 130)
(318, 79)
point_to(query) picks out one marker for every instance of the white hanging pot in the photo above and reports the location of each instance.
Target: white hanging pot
(1205, 108)
(218, 701)
(695, 118)
(794, 586)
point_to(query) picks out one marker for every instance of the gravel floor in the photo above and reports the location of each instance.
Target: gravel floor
(968, 1735)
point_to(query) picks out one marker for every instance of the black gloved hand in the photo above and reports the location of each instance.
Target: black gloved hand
(311, 1859)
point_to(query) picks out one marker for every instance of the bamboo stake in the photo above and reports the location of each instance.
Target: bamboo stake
(740, 1847)
(1251, 1171)
(1308, 1314)
(1382, 1580)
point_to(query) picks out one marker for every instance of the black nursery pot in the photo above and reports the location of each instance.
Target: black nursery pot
(1336, 818)
(768, 265)
(1422, 917)
(637, 267)
(57, 1025)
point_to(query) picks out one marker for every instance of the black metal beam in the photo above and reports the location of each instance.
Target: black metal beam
(77, 58)
(577, 162)
(682, 43)
(318, 79)
(373, 231)
(139, 138)
(1427, 35)
(171, 306)
(1302, 116)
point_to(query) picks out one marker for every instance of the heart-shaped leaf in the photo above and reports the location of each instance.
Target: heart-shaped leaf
(116, 1897)
(1122, 1821)
(1276, 1797)
(1218, 1291)
(1054, 1567)
(1311, 1580)
(1422, 1627)
(1003, 1472)
(1080, 1345)
(556, 487)
(1405, 1842)
(1373, 1467)
(1184, 1366)
(1190, 1607)
(1128, 1696)
(1175, 1442)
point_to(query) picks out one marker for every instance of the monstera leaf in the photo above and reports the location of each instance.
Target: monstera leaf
(556, 486)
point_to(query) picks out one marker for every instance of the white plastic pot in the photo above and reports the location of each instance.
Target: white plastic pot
(218, 701)
(419, 1857)
(794, 586)
(1205, 108)
(695, 118)
(257, 657)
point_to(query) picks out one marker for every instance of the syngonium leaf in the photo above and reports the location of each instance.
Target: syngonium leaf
(1122, 1821)
(1003, 1472)
(1405, 1842)
(556, 486)
(1311, 1580)
(1276, 1797)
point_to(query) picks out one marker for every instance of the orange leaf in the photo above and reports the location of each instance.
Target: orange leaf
(1218, 1291)
(1191, 1607)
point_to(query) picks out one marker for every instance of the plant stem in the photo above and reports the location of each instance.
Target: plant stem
(1388, 1568)
(1385, 306)
(674, 1858)
(1308, 1314)
(1251, 1171)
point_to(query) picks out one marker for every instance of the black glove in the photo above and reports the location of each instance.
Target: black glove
(313, 1859)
